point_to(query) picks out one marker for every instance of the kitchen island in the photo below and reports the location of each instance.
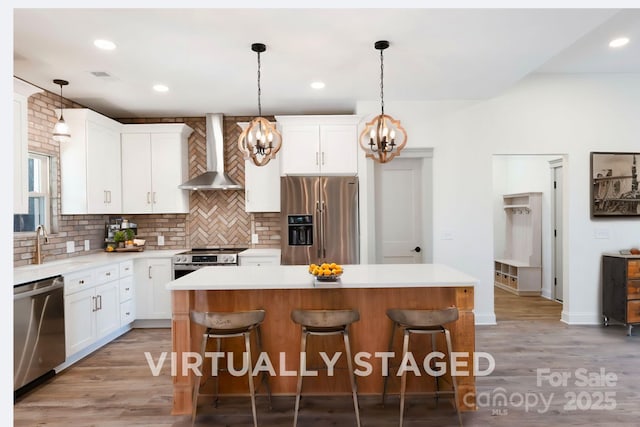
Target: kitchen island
(371, 289)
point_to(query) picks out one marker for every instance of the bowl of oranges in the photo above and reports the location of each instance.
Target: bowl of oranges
(326, 272)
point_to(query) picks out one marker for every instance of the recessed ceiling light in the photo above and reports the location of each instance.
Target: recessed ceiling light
(160, 88)
(619, 42)
(104, 44)
(317, 85)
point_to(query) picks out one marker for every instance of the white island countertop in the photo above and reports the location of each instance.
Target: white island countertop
(298, 277)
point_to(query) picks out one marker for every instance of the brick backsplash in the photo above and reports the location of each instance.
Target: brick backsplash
(216, 218)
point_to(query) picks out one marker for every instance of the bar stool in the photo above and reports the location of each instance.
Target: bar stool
(326, 322)
(422, 322)
(228, 325)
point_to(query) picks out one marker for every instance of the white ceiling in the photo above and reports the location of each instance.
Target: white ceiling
(204, 55)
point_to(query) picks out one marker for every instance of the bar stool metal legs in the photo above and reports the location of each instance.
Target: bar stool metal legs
(326, 322)
(228, 325)
(422, 322)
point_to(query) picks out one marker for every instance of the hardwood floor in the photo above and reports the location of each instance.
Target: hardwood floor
(508, 306)
(115, 387)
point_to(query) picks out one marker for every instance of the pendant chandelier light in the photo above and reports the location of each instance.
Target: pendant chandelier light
(383, 137)
(260, 140)
(61, 129)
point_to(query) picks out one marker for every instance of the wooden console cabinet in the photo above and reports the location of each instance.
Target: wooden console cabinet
(621, 289)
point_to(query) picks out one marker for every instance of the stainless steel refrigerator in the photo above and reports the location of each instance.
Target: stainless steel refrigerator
(319, 219)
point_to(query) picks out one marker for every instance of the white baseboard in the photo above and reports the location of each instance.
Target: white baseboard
(485, 318)
(581, 318)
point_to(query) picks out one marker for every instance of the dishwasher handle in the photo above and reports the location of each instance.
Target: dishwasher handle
(56, 283)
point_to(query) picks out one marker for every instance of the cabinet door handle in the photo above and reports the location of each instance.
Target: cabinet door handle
(149, 273)
(323, 158)
(94, 303)
(127, 289)
(246, 196)
(316, 158)
(148, 197)
(109, 193)
(105, 197)
(108, 273)
(154, 197)
(128, 313)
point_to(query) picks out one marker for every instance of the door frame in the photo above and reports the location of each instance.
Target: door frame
(556, 164)
(426, 154)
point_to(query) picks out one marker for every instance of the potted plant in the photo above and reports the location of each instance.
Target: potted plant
(129, 235)
(119, 237)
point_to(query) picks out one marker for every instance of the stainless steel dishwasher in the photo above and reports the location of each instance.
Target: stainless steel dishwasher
(38, 329)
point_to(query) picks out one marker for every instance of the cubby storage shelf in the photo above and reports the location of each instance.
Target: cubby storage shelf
(520, 271)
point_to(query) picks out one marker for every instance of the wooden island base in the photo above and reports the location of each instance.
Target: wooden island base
(281, 338)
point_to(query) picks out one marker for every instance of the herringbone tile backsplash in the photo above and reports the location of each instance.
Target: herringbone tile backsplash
(217, 218)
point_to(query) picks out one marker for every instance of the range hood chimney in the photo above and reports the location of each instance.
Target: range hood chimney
(215, 178)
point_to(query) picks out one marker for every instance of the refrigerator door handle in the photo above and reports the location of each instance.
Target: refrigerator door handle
(319, 229)
(322, 216)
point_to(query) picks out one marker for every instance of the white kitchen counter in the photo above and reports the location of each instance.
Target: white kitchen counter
(33, 272)
(257, 252)
(298, 277)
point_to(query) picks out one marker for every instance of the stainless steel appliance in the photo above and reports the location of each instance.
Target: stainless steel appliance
(38, 329)
(319, 219)
(189, 261)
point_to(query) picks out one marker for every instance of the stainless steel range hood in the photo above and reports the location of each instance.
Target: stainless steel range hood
(215, 178)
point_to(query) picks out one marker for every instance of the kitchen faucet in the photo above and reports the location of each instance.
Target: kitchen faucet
(39, 257)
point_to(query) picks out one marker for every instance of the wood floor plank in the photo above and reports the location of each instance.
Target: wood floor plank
(115, 387)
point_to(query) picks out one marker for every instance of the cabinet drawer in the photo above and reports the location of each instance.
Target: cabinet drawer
(126, 288)
(126, 268)
(513, 282)
(75, 282)
(127, 312)
(107, 273)
(633, 312)
(633, 289)
(633, 269)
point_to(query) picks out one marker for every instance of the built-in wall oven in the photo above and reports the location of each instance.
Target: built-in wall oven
(189, 261)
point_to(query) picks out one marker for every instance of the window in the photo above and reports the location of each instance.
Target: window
(39, 189)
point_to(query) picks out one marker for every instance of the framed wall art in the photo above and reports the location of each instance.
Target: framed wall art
(614, 184)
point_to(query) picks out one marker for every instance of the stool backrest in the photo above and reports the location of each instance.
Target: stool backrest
(228, 320)
(325, 318)
(423, 318)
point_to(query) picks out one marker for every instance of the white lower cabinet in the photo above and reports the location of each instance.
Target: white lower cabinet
(126, 297)
(153, 300)
(259, 257)
(92, 306)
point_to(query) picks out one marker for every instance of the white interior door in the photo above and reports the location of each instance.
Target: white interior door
(557, 241)
(398, 201)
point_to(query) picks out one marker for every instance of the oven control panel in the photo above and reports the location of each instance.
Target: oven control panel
(206, 259)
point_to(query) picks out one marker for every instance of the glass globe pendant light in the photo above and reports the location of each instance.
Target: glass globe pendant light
(61, 128)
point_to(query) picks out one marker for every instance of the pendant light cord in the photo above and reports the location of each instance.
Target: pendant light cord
(382, 81)
(259, 89)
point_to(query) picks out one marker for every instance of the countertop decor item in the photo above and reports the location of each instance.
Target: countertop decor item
(383, 137)
(260, 141)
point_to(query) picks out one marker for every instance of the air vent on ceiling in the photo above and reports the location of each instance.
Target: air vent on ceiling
(100, 74)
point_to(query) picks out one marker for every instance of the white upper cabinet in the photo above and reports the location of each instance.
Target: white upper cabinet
(262, 184)
(154, 164)
(90, 166)
(319, 145)
(21, 93)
